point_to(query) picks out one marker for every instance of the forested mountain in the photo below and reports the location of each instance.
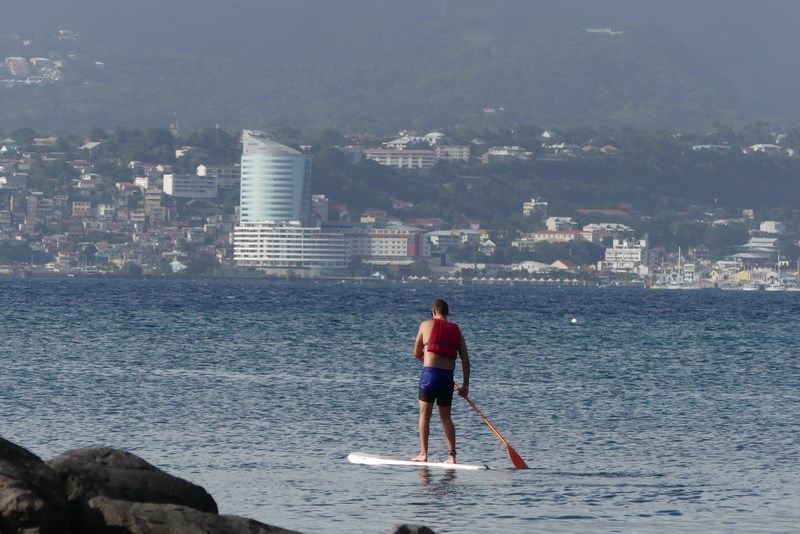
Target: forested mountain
(376, 65)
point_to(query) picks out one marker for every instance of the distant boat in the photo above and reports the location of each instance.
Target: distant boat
(752, 287)
(685, 285)
(780, 284)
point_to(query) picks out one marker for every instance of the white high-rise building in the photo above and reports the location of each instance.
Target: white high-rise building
(275, 233)
(275, 181)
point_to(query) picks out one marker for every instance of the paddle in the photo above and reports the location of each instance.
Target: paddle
(516, 459)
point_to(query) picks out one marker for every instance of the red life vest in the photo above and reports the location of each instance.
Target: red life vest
(445, 339)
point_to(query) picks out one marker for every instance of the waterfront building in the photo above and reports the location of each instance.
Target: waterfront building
(628, 255)
(758, 249)
(274, 234)
(275, 181)
(284, 247)
(391, 245)
(443, 240)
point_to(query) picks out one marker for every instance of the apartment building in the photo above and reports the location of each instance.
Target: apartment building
(190, 186)
(228, 176)
(401, 158)
(452, 152)
(628, 255)
(400, 245)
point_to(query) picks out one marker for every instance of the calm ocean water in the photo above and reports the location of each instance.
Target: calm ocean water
(659, 411)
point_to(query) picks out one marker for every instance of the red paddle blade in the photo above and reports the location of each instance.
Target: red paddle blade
(516, 459)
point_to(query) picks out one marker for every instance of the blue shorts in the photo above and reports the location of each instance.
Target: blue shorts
(436, 385)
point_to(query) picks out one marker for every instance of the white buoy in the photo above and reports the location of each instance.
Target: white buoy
(574, 321)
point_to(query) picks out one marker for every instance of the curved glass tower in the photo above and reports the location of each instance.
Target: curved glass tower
(276, 181)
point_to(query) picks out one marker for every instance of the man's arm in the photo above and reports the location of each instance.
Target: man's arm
(465, 367)
(418, 346)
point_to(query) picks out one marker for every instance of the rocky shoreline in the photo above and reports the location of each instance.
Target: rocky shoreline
(105, 491)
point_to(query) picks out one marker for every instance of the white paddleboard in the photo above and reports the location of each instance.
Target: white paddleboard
(372, 459)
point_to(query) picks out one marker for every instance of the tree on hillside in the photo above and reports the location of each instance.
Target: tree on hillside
(755, 133)
(23, 136)
(222, 147)
(327, 138)
(722, 239)
(97, 134)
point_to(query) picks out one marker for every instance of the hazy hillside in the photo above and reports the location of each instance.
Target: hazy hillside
(379, 65)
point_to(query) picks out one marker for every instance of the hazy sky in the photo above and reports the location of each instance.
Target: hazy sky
(720, 24)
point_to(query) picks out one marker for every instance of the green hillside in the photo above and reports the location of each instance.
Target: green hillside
(369, 83)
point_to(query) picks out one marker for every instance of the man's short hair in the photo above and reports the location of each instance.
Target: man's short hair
(441, 306)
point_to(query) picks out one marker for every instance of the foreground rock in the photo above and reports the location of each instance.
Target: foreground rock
(105, 491)
(147, 518)
(109, 491)
(123, 476)
(32, 496)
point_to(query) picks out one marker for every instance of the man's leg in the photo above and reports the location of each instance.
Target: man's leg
(425, 412)
(449, 433)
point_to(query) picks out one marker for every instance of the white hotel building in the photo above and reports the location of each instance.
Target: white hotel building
(274, 234)
(275, 181)
(289, 246)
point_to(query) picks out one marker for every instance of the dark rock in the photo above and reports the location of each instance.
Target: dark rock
(120, 475)
(106, 491)
(124, 517)
(411, 529)
(32, 496)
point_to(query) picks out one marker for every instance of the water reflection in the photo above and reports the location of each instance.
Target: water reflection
(447, 476)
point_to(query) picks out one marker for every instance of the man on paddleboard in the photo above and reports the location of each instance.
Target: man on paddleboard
(439, 344)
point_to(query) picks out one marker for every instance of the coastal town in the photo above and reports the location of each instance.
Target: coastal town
(158, 221)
